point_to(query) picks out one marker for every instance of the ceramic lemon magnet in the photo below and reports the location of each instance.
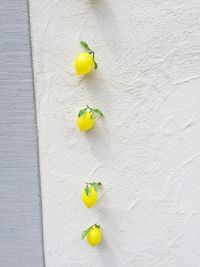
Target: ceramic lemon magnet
(85, 61)
(90, 193)
(94, 235)
(87, 118)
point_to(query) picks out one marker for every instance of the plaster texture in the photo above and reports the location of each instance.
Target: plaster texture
(146, 151)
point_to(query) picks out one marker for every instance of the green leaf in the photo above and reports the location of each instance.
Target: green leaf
(95, 65)
(92, 116)
(87, 190)
(82, 112)
(99, 184)
(93, 56)
(84, 44)
(97, 225)
(96, 186)
(84, 233)
(98, 112)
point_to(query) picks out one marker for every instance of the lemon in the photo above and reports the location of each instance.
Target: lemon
(84, 63)
(90, 199)
(86, 121)
(94, 236)
(87, 117)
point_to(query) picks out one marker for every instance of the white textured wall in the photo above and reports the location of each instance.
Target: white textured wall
(147, 150)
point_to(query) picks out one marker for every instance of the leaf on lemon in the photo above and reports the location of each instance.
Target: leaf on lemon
(85, 45)
(82, 112)
(98, 112)
(87, 190)
(95, 65)
(96, 186)
(92, 117)
(93, 56)
(97, 225)
(84, 233)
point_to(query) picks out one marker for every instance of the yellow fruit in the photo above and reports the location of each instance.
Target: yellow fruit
(85, 122)
(94, 236)
(84, 63)
(90, 200)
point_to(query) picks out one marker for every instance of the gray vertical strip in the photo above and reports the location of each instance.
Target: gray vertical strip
(20, 216)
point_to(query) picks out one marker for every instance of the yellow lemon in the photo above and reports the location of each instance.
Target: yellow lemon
(85, 122)
(90, 199)
(84, 63)
(94, 236)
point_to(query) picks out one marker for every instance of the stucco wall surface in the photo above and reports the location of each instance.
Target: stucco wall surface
(146, 151)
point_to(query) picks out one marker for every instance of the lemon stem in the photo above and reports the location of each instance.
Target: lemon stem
(93, 56)
(92, 110)
(99, 183)
(94, 225)
(89, 183)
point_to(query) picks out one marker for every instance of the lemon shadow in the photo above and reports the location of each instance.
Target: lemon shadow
(98, 142)
(98, 89)
(106, 254)
(106, 218)
(107, 22)
(105, 212)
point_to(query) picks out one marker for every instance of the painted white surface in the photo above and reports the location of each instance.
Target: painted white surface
(146, 152)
